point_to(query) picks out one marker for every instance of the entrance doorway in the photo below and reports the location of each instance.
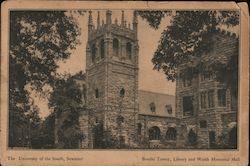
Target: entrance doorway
(212, 139)
(98, 136)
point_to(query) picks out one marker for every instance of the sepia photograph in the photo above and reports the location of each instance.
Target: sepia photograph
(129, 79)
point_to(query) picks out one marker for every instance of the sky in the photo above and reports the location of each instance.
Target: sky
(149, 79)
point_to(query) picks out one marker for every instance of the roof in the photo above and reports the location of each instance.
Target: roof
(160, 101)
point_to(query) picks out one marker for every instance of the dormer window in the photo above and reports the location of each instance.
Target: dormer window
(152, 107)
(169, 109)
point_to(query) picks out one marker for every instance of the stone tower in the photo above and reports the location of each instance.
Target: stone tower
(112, 82)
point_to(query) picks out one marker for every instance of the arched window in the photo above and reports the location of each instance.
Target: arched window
(122, 92)
(115, 47)
(171, 134)
(152, 107)
(96, 93)
(192, 137)
(154, 133)
(93, 52)
(203, 124)
(129, 50)
(102, 49)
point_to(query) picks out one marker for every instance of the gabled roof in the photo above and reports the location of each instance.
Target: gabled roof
(159, 99)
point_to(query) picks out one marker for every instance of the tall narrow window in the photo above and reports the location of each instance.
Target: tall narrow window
(93, 53)
(139, 126)
(203, 100)
(222, 97)
(115, 47)
(122, 92)
(129, 50)
(102, 49)
(187, 106)
(210, 98)
(96, 93)
(192, 137)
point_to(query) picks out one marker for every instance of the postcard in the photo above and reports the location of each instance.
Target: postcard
(124, 83)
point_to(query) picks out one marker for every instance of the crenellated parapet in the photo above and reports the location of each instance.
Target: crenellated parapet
(123, 28)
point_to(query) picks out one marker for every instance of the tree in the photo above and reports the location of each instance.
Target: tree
(188, 37)
(38, 40)
(67, 102)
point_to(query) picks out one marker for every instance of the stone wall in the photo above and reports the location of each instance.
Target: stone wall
(225, 46)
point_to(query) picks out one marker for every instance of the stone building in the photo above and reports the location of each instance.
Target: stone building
(117, 114)
(157, 124)
(111, 82)
(207, 108)
(203, 114)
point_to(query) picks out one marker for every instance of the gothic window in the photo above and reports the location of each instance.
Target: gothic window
(203, 99)
(222, 97)
(192, 137)
(171, 134)
(187, 106)
(139, 126)
(93, 52)
(169, 108)
(129, 50)
(152, 107)
(102, 48)
(210, 98)
(154, 133)
(205, 76)
(203, 124)
(122, 92)
(97, 93)
(115, 47)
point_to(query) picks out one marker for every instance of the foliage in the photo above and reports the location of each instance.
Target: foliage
(153, 17)
(66, 100)
(38, 40)
(186, 37)
(47, 132)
